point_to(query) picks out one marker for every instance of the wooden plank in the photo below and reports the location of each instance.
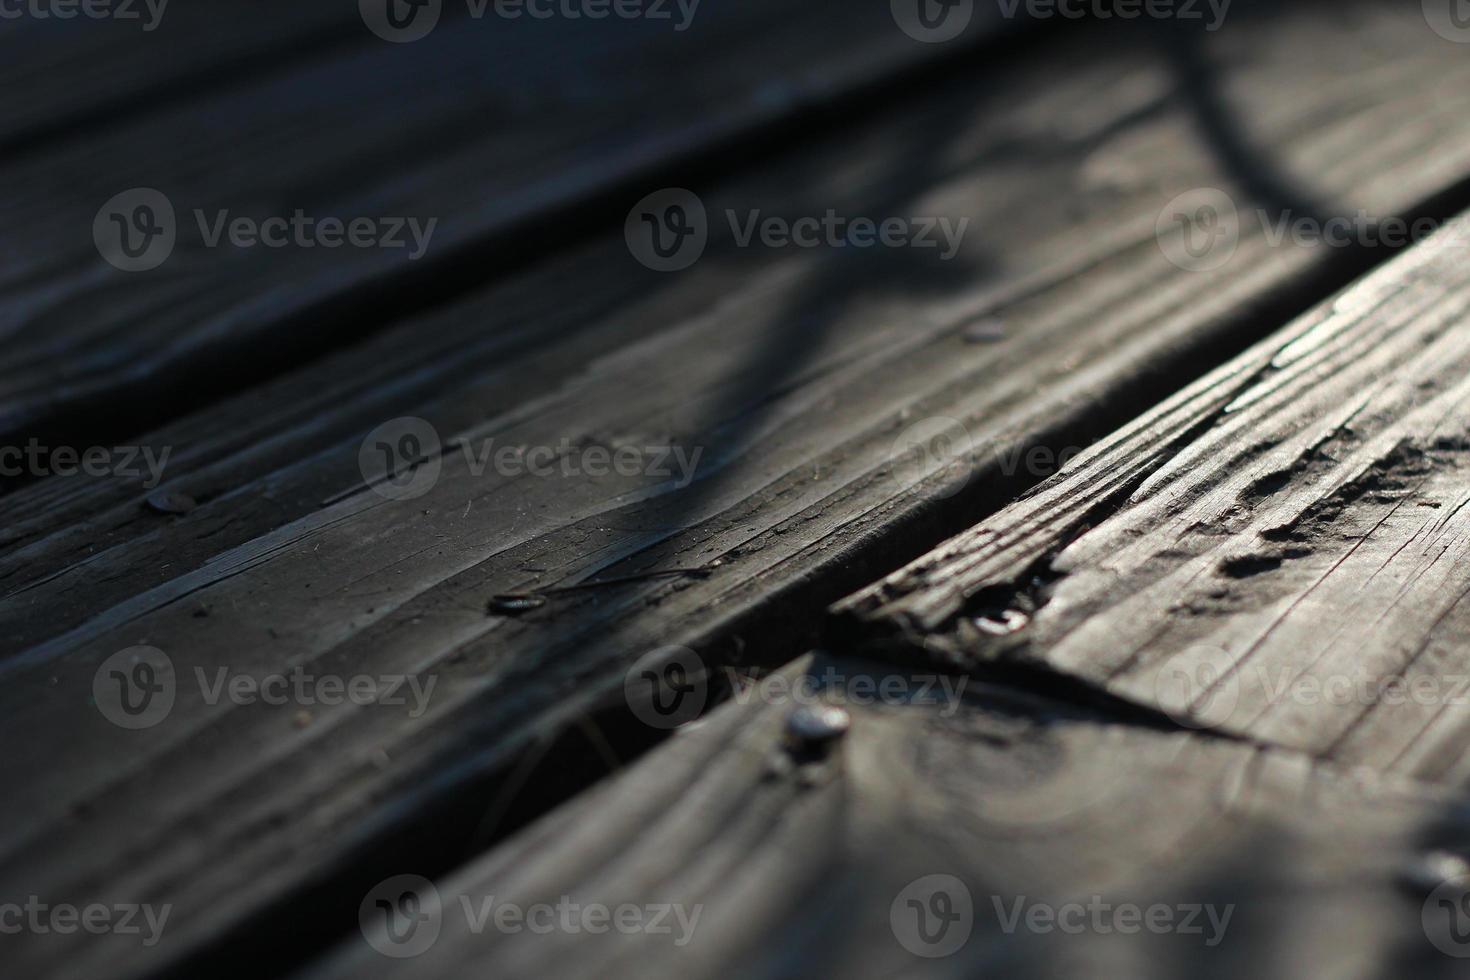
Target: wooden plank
(75, 547)
(788, 859)
(1278, 551)
(797, 373)
(85, 71)
(503, 133)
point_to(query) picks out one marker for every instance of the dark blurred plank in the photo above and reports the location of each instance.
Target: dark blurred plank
(1279, 552)
(803, 863)
(504, 132)
(797, 374)
(99, 72)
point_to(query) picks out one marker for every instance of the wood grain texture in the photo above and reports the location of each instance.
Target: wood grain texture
(489, 127)
(797, 373)
(1278, 552)
(1085, 304)
(797, 860)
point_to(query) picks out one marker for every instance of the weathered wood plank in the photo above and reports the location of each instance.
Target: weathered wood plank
(1279, 551)
(504, 133)
(797, 373)
(800, 861)
(92, 544)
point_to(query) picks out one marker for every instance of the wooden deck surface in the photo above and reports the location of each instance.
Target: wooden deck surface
(1137, 567)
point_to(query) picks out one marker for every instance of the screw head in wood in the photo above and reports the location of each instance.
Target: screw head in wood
(1003, 623)
(814, 725)
(170, 502)
(1426, 872)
